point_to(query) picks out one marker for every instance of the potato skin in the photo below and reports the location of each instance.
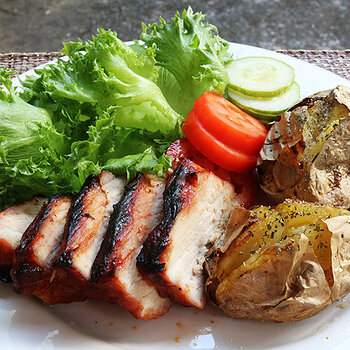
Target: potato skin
(290, 277)
(283, 287)
(340, 246)
(285, 170)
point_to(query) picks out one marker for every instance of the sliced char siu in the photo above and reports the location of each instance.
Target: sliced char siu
(197, 206)
(114, 270)
(13, 222)
(87, 225)
(32, 271)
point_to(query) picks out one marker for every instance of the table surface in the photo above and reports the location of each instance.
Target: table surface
(336, 61)
(42, 25)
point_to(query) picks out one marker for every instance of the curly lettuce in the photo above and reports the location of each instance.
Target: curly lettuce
(24, 128)
(192, 55)
(105, 105)
(108, 73)
(29, 146)
(98, 109)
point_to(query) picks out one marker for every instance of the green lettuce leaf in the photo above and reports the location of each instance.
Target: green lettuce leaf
(21, 125)
(106, 105)
(123, 151)
(106, 72)
(192, 53)
(70, 117)
(28, 140)
(65, 125)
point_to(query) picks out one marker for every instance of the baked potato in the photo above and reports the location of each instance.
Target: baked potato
(281, 264)
(306, 154)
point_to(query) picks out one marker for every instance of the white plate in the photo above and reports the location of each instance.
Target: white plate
(26, 323)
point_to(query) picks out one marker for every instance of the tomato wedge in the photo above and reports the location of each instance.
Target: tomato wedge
(215, 150)
(224, 133)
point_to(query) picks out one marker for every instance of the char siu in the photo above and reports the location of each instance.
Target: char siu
(13, 222)
(114, 271)
(197, 206)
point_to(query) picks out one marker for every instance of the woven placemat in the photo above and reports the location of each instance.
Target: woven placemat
(21, 62)
(335, 61)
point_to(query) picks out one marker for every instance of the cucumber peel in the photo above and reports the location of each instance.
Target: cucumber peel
(260, 76)
(266, 109)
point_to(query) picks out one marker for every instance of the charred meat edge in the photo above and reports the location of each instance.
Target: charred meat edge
(76, 214)
(7, 249)
(25, 267)
(111, 256)
(119, 222)
(5, 276)
(175, 197)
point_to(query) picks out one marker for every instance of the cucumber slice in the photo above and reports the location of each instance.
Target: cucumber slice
(265, 119)
(267, 106)
(260, 76)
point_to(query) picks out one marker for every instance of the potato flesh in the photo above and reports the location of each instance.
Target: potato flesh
(306, 154)
(256, 237)
(319, 125)
(308, 219)
(252, 247)
(255, 261)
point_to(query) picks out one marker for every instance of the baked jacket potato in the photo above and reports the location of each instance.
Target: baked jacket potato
(306, 154)
(281, 264)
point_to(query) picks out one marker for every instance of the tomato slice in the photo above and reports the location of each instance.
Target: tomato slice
(245, 184)
(214, 149)
(181, 149)
(229, 124)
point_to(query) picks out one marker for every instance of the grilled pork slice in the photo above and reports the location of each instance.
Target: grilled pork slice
(87, 225)
(197, 206)
(32, 271)
(114, 270)
(13, 222)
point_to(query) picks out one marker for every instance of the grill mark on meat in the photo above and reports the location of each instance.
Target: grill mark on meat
(5, 276)
(76, 216)
(176, 195)
(13, 222)
(118, 224)
(34, 227)
(114, 272)
(25, 273)
(33, 267)
(173, 254)
(86, 229)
